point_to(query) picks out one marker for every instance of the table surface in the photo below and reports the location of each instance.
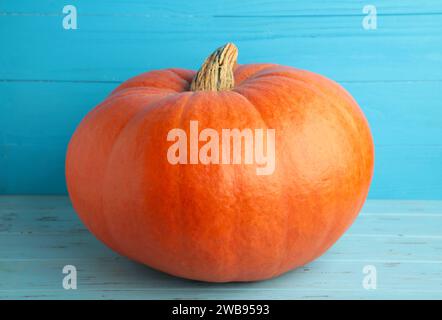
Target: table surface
(39, 235)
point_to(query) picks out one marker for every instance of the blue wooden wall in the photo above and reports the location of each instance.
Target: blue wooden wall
(51, 77)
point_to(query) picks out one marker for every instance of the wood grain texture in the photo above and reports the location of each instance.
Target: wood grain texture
(40, 235)
(51, 77)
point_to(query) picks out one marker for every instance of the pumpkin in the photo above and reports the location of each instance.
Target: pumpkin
(221, 222)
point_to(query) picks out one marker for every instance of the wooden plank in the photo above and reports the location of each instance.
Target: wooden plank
(361, 243)
(61, 204)
(32, 216)
(40, 235)
(402, 208)
(390, 108)
(79, 245)
(172, 8)
(37, 125)
(121, 46)
(400, 172)
(125, 280)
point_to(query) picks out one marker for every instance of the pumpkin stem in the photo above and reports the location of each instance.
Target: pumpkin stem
(216, 73)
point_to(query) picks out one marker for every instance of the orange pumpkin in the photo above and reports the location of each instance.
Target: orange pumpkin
(222, 222)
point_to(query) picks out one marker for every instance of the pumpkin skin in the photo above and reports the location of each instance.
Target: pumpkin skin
(222, 223)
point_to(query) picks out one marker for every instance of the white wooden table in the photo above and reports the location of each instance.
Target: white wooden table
(400, 240)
